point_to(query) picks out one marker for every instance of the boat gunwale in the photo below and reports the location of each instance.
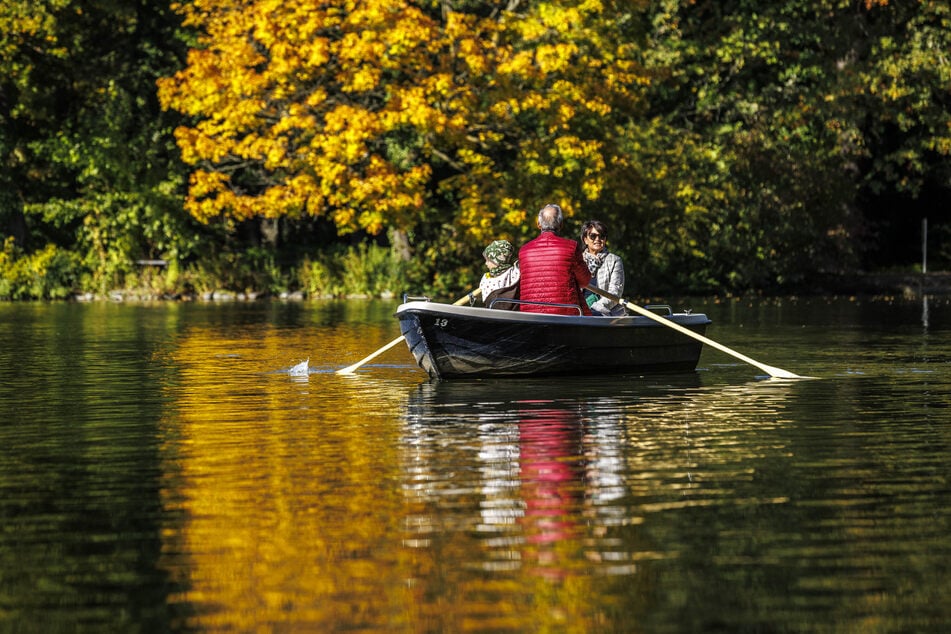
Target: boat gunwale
(510, 316)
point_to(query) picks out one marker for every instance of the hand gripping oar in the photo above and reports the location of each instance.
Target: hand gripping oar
(778, 373)
(350, 369)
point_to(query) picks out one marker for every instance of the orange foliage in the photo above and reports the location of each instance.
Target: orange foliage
(361, 111)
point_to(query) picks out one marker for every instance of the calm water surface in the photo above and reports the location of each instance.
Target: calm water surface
(162, 470)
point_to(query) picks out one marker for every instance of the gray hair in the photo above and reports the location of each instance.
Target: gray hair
(551, 218)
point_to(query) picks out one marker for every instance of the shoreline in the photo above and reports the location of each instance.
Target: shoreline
(908, 285)
(905, 285)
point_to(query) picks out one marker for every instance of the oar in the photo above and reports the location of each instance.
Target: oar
(778, 373)
(350, 369)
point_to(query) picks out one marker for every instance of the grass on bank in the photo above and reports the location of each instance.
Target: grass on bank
(55, 273)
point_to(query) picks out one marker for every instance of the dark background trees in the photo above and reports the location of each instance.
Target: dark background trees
(730, 145)
(91, 174)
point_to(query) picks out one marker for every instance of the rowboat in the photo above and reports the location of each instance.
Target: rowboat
(454, 341)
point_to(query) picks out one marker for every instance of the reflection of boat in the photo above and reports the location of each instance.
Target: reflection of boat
(474, 397)
(451, 341)
(542, 467)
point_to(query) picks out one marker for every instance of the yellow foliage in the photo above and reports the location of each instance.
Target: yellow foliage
(554, 58)
(342, 109)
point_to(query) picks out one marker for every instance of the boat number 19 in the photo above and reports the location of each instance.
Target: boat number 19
(442, 323)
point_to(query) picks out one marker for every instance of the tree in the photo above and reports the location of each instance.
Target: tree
(90, 161)
(413, 116)
(808, 112)
(905, 93)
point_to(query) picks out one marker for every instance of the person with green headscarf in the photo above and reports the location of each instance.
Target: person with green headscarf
(500, 281)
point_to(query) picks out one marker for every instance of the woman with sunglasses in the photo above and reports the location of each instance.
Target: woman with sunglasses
(606, 268)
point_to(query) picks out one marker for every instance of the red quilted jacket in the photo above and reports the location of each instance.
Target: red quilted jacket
(553, 271)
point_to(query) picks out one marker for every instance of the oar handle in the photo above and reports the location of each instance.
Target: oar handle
(350, 369)
(768, 369)
(468, 298)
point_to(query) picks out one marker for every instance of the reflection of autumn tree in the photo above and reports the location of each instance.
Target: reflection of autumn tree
(284, 519)
(493, 512)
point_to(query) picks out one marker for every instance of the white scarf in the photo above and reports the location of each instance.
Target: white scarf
(595, 260)
(489, 284)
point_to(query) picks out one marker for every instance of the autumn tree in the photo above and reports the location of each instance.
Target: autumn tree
(438, 121)
(729, 144)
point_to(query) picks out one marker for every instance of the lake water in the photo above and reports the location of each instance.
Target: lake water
(162, 470)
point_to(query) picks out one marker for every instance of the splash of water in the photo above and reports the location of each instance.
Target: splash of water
(301, 369)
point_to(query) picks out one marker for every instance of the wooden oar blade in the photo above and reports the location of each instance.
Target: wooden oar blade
(350, 369)
(779, 373)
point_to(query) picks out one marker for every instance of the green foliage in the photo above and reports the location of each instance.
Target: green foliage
(366, 269)
(370, 270)
(905, 87)
(89, 162)
(321, 276)
(47, 274)
(939, 253)
(680, 194)
(730, 145)
(112, 231)
(253, 270)
(761, 97)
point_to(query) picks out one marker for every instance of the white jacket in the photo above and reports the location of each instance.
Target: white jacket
(609, 277)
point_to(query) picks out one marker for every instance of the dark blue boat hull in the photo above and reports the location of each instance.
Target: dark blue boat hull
(460, 341)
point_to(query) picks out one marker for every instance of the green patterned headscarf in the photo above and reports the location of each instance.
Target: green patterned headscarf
(501, 253)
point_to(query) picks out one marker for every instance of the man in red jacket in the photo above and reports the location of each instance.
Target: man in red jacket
(553, 269)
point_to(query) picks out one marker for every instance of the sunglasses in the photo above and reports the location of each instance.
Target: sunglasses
(595, 236)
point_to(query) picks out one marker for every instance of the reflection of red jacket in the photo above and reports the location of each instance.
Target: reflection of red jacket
(553, 269)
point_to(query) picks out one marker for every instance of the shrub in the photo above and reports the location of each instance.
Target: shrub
(52, 273)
